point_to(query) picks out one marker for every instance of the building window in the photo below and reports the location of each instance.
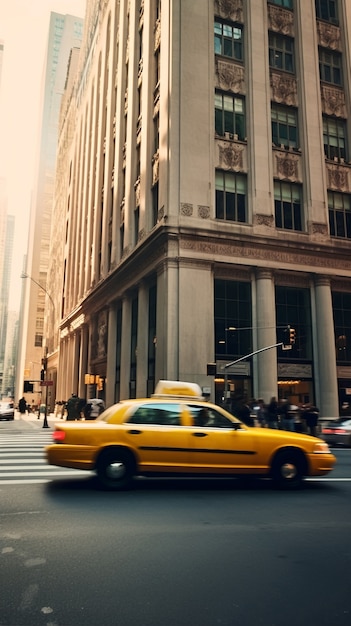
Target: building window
(155, 205)
(293, 306)
(342, 326)
(232, 313)
(339, 207)
(334, 138)
(228, 40)
(231, 190)
(287, 4)
(327, 10)
(287, 204)
(229, 115)
(281, 52)
(284, 126)
(330, 66)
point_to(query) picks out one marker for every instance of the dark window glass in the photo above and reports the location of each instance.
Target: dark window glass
(293, 307)
(281, 52)
(230, 115)
(339, 207)
(327, 10)
(284, 126)
(342, 326)
(287, 4)
(288, 205)
(228, 40)
(233, 319)
(231, 196)
(330, 66)
(157, 413)
(334, 138)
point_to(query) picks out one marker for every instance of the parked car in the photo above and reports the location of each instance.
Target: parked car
(176, 432)
(7, 409)
(338, 432)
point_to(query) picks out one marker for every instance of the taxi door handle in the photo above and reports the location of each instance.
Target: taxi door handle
(135, 432)
(200, 434)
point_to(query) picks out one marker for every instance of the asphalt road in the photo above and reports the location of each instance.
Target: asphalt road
(177, 553)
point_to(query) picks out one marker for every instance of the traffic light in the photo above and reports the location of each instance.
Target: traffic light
(211, 369)
(288, 337)
(292, 336)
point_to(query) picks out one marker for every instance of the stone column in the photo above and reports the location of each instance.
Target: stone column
(125, 347)
(324, 355)
(142, 347)
(83, 361)
(266, 362)
(111, 356)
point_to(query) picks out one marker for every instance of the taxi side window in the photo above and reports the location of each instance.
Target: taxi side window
(209, 417)
(162, 414)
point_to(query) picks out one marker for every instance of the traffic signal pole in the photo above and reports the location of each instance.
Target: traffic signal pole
(274, 345)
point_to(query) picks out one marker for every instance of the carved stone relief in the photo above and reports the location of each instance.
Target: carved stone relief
(318, 231)
(338, 177)
(230, 9)
(230, 156)
(284, 89)
(203, 212)
(157, 39)
(229, 76)
(102, 334)
(255, 253)
(328, 35)
(186, 209)
(333, 101)
(155, 168)
(137, 192)
(281, 20)
(264, 220)
(287, 166)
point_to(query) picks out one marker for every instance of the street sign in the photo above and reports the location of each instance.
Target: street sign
(46, 383)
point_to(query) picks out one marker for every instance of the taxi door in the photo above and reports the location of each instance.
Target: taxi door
(158, 433)
(218, 446)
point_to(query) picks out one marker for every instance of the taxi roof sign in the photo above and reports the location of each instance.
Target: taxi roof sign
(177, 388)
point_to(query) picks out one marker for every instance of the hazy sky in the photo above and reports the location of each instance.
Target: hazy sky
(24, 27)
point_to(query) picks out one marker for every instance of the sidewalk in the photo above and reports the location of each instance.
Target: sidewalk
(33, 421)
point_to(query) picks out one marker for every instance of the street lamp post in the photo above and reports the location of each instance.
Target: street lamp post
(43, 380)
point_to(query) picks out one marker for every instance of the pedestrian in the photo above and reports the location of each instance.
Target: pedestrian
(311, 415)
(22, 405)
(72, 408)
(287, 415)
(272, 413)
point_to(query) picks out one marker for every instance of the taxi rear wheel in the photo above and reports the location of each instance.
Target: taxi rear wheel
(115, 469)
(288, 469)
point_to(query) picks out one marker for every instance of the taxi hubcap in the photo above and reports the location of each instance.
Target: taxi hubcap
(115, 470)
(288, 471)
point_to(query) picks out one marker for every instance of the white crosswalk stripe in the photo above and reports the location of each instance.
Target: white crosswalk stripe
(22, 459)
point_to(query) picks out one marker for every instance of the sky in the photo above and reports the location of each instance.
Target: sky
(24, 27)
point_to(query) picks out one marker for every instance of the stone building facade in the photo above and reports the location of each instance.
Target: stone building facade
(208, 200)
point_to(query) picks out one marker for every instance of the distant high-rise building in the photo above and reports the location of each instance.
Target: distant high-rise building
(7, 226)
(1, 57)
(65, 33)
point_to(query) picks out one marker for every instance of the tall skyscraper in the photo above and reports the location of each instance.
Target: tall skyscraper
(208, 200)
(65, 33)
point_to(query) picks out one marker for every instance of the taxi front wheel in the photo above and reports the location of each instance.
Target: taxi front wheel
(288, 469)
(115, 469)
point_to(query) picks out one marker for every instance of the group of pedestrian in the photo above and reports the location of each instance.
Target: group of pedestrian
(79, 408)
(285, 415)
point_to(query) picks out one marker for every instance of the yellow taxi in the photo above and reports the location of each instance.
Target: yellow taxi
(176, 432)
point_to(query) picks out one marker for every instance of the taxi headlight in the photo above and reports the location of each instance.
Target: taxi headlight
(320, 447)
